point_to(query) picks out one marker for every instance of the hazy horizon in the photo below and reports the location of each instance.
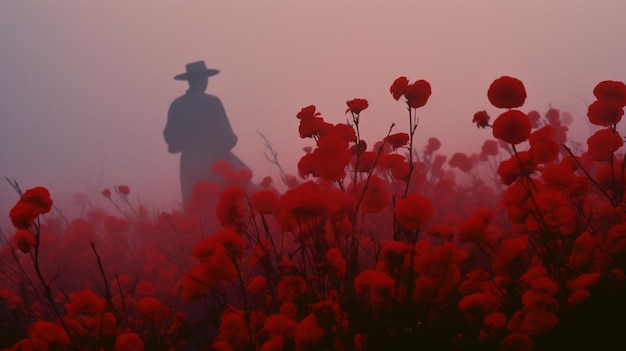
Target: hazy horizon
(85, 86)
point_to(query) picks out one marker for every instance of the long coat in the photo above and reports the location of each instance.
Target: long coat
(198, 128)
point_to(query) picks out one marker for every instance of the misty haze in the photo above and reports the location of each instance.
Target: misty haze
(312, 176)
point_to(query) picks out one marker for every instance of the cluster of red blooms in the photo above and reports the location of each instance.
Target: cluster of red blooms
(370, 248)
(32, 203)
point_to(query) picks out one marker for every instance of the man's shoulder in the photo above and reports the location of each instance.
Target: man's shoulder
(179, 99)
(211, 98)
(197, 97)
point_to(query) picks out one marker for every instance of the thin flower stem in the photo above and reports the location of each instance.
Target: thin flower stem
(369, 173)
(273, 158)
(590, 177)
(47, 288)
(119, 285)
(119, 209)
(132, 208)
(413, 122)
(15, 186)
(357, 150)
(107, 292)
(242, 286)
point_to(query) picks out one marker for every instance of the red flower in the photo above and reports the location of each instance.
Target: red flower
(558, 175)
(314, 126)
(492, 323)
(109, 323)
(509, 170)
(231, 209)
(604, 113)
(346, 132)
(582, 251)
(223, 168)
(478, 305)
(490, 147)
(24, 240)
(233, 243)
(378, 285)
(517, 342)
(49, 332)
(308, 333)
(306, 165)
(417, 94)
(34, 202)
(356, 106)
(507, 92)
(307, 112)
(611, 91)
(302, 203)
(331, 157)
(413, 211)
(144, 288)
(223, 241)
(400, 170)
(397, 140)
(242, 178)
(359, 148)
(511, 253)
(376, 196)
(264, 201)
(128, 342)
(481, 118)
(512, 126)
(473, 229)
(106, 193)
(388, 161)
(534, 117)
(433, 145)
(266, 182)
(616, 239)
(441, 264)
(31, 344)
(603, 143)
(85, 302)
(258, 285)
(461, 161)
(233, 330)
(152, 309)
(367, 160)
(336, 262)
(399, 87)
(276, 343)
(204, 195)
(392, 256)
(543, 147)
(583, 281)
(577, 296)
(340, 203)
(537, 321)
(195, 285)
(123, 189)
(291, 287)
(554, 117)
(280, 325)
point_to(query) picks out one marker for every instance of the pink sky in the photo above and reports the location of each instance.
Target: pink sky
(85, 86)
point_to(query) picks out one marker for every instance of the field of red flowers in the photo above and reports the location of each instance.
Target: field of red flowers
(518, 246)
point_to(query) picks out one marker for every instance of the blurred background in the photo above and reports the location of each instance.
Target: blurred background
(85, 86)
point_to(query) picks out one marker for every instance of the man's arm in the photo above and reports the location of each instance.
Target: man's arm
(173, 133)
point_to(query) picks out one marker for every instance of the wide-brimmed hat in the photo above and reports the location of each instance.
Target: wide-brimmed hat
(196, 69)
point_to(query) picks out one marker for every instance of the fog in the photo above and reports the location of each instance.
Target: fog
(85, 86)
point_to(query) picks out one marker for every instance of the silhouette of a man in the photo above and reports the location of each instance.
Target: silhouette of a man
(198, 128)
